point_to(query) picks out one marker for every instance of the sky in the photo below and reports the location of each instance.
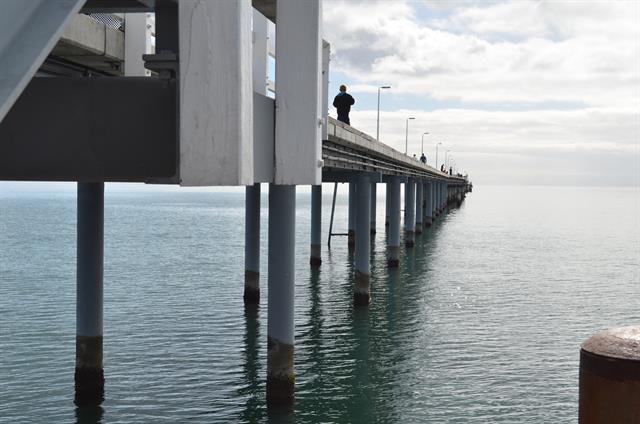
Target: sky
(519, 92)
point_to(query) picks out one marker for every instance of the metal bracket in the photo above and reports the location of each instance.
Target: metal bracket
(165, 64)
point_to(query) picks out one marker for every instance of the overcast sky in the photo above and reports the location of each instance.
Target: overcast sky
(522, 92)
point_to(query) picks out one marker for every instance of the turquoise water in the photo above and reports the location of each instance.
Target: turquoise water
(482, 324)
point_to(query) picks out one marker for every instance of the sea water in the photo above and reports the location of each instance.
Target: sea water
(482, 323)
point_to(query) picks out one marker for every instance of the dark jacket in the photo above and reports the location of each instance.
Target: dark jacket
(343, 102)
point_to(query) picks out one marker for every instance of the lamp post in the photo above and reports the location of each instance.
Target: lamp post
(437, 154)
(423, 142)
(378, 120)
(406, 140)
(446, 163)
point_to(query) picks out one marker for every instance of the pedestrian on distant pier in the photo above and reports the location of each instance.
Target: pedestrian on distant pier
(423, 159)
(450, 170)
(442, 169)
(343, 103)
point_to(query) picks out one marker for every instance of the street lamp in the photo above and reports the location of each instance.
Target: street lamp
(423, 141)
(446, 164)
(406, 140)
(378, 120)
(437, 154)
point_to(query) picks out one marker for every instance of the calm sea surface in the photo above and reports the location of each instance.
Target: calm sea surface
(482, 324)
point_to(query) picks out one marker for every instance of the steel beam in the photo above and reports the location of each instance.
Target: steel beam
(115, 6)
(91, 129)
(28, 32)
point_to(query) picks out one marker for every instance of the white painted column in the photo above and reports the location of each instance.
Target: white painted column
(298, 157)
(259, 52)
(216, 93)
(137, 42)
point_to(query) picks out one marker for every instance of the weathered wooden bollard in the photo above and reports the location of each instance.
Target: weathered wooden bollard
(610, 377)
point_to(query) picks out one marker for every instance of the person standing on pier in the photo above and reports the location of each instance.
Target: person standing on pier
(343, 102)
(423, 159)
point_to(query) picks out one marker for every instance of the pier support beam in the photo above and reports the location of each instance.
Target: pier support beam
(316, 225)
(428, 209)
(393, 243)
(89, 374)
(409, 212)
(351, 228)
(281, 273)
(361, 295)
(387, 203)
(419, 210)
(434, 197)
(252, 245)
(374, 192)
(445, 194)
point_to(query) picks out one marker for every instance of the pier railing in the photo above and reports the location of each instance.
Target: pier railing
(347, 148)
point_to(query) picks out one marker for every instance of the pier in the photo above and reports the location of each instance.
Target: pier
(85, 101)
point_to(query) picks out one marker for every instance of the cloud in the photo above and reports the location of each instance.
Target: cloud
(543, 53)
(594, 60)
